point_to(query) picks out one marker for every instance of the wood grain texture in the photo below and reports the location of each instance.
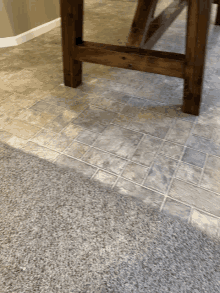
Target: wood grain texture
(162, 22)
(190, 66)
(165, 63)
(198, 21)
(72, 33)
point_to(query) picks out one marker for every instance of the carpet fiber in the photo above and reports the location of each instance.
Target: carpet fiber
(62, 232)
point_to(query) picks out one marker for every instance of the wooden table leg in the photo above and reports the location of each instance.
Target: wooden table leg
(217, 21)
(197, 34)
(72, 29)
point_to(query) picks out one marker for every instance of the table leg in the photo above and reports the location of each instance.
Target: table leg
(197, 34)
(72, 30)
(217, 21)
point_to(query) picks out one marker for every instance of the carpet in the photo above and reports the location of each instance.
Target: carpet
(62, 232)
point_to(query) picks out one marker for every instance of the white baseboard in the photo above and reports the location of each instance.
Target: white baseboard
(31, 34)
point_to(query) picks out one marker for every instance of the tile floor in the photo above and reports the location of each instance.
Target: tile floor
(121, 127)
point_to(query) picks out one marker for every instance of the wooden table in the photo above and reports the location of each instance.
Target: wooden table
(137, 55)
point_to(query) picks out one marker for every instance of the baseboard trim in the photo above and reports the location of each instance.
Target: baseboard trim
(29, 35)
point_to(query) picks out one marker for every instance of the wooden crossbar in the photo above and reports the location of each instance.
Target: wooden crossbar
(162, 22)
(158, 62)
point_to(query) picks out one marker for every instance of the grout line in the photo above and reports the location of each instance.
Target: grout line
(203, 169)
(119, 176)
(190, 215)
(177, 167)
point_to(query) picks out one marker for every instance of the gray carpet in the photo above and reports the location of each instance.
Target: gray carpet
(61, 232)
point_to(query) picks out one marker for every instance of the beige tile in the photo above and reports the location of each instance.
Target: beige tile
(104, 177)
(61, 121)
(4, 120)
(149, 197)
(176, 208)
(172, 150)
(195, 196)
(35, 118)
(107, 104)
(151, 122)
(43, 137)
(76, 150)
(118, 141)
(180, 132)
(21, 129)
(211, 180)
(205, 222)
(104, 160)
(189, 173)
(216, 135)
(161, 173)
(17, 142)
(79, 167)
(203, 130)
(122, 120)
(135, 172)
(40, 151)
(5, 136)
(60, 142)
(9, 108)
(73, 131)
(22, 100)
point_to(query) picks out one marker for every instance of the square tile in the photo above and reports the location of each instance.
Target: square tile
(60, 142)
(94, 118)
(203, 130)
(211, 176)
(17, 142)
(180, 132)
(146, 150)
(170, 149)
(22, 100)
(5, 136)
(43, 137)
(61, 121)
(71, 102)
(149, 197)
(151, 123)
(44, 107)
(104, 177)
(76, 150)
(107, 104)
(104, 160)
(133, 106)
(40, 151)
(216, 136)
(194, 157)
(21, 129)
(4, 120)
(202, 144)
(175, 208)
(189, 173)
(9, 108)
(72, 131)
(119, 141)
(120, 97)
(86, 136)
(195, 196)
(122, 120)
(161, 173)
(135, 172)
(205, 222)
(79, 167)
(34, 117)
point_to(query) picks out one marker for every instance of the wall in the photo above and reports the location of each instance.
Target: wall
(19, 16)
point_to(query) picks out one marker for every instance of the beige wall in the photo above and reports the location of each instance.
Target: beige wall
(19, 16)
